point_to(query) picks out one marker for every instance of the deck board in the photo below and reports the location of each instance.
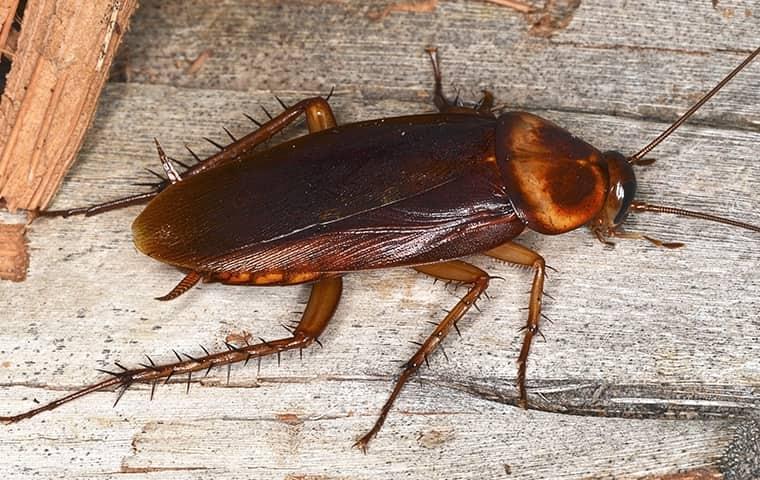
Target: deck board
(652, 355)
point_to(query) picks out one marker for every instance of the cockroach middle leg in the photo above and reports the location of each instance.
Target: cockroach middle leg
(444, 104)
(519, 255)
(456, 271)
(323, 301)
(319, 116)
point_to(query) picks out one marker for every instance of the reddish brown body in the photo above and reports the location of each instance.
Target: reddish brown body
(420, 191)
(392, 192)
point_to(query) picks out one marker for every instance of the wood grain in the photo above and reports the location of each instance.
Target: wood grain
(14, 258)
(61, 63)
(650, 367)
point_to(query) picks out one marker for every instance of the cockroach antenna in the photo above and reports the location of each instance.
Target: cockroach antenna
(638, 159)
(646, 207)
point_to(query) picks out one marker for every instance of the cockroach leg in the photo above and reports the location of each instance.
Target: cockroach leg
(117, 204)
(519, 255)
(183, 286)
(168, 166)
(324, 298)
(483, 107)
(439, 98)
(456, 271)
(255, 122)
(319, 116)
(485, 104)
(195, 155)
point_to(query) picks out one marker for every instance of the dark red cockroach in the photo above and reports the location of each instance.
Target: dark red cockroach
(419, 191)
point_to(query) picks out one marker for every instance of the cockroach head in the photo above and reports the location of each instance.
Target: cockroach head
(619, 202)
(621, 191)
(622, 182)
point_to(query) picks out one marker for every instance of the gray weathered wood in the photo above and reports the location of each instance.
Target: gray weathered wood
(669, 338)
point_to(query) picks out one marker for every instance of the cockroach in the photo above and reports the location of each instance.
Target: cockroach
(418, 191)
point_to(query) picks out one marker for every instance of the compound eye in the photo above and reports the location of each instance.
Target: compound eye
(625, 192)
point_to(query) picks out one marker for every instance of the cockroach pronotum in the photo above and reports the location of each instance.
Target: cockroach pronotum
(418, 191)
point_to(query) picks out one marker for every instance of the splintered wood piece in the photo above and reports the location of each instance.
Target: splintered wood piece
(14, 258)
(63, 54)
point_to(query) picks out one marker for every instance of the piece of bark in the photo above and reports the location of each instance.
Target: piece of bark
(65, 49)
(14, 258)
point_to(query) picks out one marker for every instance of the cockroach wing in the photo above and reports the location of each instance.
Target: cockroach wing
(556, 182)
(387, 190)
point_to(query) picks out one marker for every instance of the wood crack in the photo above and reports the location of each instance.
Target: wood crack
(635, 401)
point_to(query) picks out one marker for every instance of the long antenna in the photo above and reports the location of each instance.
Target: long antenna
(645, 207)
(641, 153)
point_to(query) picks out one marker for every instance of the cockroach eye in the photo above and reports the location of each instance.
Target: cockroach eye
(626, 192)
(622, 187)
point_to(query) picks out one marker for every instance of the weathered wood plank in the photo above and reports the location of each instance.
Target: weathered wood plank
(649, 59)
(667, 336)
(49, 97)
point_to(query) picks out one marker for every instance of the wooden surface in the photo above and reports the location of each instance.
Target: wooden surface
(60, 53)
(655, 353)
(65, 49)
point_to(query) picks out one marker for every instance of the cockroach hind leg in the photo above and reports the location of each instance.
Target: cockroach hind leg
(282, 104)
(323, 301)
(183, 286)
(194, 155)
(216, 144)
(456, 271)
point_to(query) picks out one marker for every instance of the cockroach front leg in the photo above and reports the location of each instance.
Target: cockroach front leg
(319, 116)
(324, 298)
(456, 271)
(519, 255)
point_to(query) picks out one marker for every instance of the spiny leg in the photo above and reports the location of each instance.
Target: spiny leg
(442, 102)
(324, 298)
(456, 271)
(319, 116)
(519, 255)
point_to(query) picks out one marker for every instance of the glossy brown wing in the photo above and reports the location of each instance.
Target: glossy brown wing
(325, 199)
(454, 220)
(556, 182)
